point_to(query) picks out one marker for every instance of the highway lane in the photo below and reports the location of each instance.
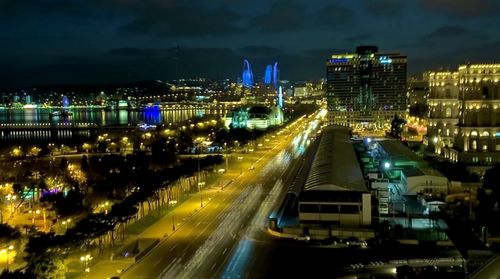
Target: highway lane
(253, 226)
(187, 249)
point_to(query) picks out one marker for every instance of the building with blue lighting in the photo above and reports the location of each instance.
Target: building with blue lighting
(367, 88)
(268, 74)
(247, 77)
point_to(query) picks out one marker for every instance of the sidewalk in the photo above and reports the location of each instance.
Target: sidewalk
(105, 267)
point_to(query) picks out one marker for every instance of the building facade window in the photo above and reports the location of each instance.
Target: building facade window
(448, 112)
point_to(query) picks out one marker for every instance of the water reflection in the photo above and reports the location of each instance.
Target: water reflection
(150, 115)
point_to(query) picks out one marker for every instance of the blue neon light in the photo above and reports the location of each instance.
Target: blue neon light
(497, 134)
(280, 97)
(267, 76)
(275, 74)
(385, 60)
(247, 74)
(339, 60)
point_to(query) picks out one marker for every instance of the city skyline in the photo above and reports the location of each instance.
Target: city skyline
(73, 42)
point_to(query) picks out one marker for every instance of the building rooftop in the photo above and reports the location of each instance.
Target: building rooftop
(396, 151)
(335, 166)
(412, 172)
(400, 155)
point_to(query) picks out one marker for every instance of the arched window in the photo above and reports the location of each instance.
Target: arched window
(448, 112)
(486, 134)
(473, 134)
(474, 144)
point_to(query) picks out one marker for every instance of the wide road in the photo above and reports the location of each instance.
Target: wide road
(205, 242)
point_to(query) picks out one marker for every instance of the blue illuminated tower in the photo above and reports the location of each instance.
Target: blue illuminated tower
(247, 74)
(276, 75)
(267, 75)
(280, 97)
(65, 102)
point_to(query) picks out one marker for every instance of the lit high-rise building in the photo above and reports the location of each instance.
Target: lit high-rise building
(418, 91)
(366, 88)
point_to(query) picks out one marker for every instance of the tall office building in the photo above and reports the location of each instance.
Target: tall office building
(478, 137)
(418, 91)
(366, 88)
(443, 110)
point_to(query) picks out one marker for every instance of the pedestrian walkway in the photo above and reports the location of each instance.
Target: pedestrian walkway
(107, 265)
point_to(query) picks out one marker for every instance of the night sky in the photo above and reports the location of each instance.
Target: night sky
(107, 41)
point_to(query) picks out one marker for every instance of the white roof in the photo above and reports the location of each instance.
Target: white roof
(335, 166)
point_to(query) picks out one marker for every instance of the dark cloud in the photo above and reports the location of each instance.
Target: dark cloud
(384, 7)
(181, 20)
(142, 52)
(448, 36)
(358, 38)
(463, 8)
(480, 53)
(334, 15)
(257, 51)
(284, 15)
(323, 53)
(445, 32)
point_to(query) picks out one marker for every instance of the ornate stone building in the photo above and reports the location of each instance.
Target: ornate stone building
(464, 114)
(443, 110)
(478, 138)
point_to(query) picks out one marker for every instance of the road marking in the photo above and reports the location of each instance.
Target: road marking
(224, 252)
(197, 224)
(173, 247)
(213, 266)
(157, 262)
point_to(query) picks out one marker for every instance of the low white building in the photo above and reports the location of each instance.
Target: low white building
(254, 117)
(423, 181)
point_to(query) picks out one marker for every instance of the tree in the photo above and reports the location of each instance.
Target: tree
(84, 164)
(185, 142)
(64, 164)
(397, 124)
(8, 233)
(48, 264)
(44, 256)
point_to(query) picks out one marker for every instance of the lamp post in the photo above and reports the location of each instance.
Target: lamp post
(66, 223)
(173, 221)
(7, 252)
(11, 198)
(227, 163)
(239, 160)
(85, 261)
(200, 184)
(386, 167)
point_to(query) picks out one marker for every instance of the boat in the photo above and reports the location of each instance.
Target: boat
(61, 113)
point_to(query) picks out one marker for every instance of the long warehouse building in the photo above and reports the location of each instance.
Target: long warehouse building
(335, 191)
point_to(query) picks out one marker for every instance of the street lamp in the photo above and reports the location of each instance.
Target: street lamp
(11, 198)
(387, 165)
(6, 252)
(239, 160)
(200, 184)
(173, 211)
(85, 261)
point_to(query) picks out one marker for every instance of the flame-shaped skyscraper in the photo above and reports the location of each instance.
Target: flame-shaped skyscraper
(247, 74)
